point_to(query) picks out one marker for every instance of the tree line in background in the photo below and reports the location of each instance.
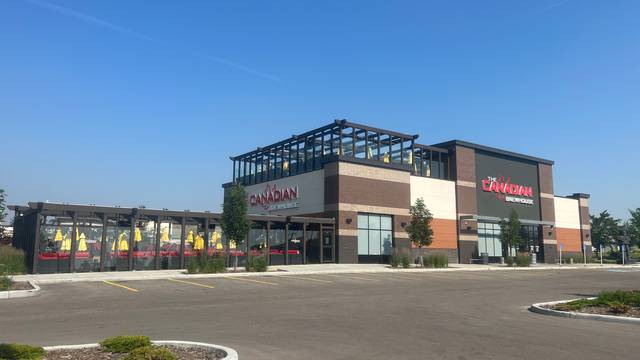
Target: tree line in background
(4, 238)
(607, 231)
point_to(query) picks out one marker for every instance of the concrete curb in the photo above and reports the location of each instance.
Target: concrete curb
(16, 294)
(541, 308)
(231, 354)
(281, 271)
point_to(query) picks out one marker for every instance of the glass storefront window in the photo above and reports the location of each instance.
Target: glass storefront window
(54, 246)
(88, 244)
(191, 243)
(258, 239)
(375, 234)
(276, 244)
(170, 233)
(144, 242)
(489, 239)
(295, 237)
(117, 243)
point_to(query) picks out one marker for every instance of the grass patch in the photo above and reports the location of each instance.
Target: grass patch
(124, 344)
(21, 352)
(257, 263)
(151, 353)
(618, 301)
(436, 260)
(12, 260)
(5, 284)
(203, 264)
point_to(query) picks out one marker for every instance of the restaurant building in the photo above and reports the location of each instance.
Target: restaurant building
(338, 193)
(367, 178)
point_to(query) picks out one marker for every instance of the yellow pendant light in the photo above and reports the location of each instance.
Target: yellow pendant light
(58, 236)
(82, 243)
(66, 244)
(386, 158)
(138, 235)
(123, 244)
(190, 236)
(164, 237)
(199, 244)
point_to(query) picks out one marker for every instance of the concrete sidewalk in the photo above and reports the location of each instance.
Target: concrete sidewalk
(314, 269)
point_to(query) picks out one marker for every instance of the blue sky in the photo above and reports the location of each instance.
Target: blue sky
(137, 102)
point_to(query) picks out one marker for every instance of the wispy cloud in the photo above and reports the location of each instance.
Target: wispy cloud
(61, 10)
(554, 5)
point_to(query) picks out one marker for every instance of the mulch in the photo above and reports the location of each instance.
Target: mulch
(605, 310)
(183, 353)
(20, 285)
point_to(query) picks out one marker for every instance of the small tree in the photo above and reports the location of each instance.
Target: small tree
(510, 234)
(634, 226)
(419, 229)
(604, 229)
(234, 221)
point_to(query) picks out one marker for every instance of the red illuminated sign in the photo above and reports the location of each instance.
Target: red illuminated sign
(507, 191)
(273, 198)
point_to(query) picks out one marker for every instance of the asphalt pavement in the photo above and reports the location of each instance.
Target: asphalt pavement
(449, 315)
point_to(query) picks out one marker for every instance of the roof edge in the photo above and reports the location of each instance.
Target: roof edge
(493, 150)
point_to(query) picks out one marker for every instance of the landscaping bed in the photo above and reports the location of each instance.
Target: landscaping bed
(96, 353)
(120, 348)
(617, 303)
(17, 285)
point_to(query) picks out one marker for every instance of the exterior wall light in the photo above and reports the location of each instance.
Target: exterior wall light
(348, 220)
(403, 224)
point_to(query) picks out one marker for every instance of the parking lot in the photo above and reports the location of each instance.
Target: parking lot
(453, 315)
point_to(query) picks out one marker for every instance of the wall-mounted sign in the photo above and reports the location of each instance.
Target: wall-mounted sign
(507, 191)
(273, 198)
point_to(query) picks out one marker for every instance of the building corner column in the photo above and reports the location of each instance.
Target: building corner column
(547, 214)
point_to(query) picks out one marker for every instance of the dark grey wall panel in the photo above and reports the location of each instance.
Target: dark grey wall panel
(518, 172)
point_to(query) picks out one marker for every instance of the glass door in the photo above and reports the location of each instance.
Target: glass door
(327, 245)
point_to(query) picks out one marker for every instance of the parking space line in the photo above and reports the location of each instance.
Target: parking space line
(121, 286)
(192, 283)
(403, 276)
(250, 280)
(350, 277)
(308, 278)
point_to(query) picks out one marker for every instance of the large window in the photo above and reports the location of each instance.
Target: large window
(489, 239)
(375, 234)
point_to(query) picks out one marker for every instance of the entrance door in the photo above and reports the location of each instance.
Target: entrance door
(327, 245)
(312, 249)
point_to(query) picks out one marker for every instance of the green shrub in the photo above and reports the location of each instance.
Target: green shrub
(395, 260)
(124, 344)
(5, 283)
(256, 263)
(20, 352)
(436, 260)
(509, 260)
(405, 260)
(618, 308)
(522, 260)
(205, 264)
(151, 353)
(12, 260)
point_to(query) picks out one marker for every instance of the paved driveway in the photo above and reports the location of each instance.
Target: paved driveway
(455, 315)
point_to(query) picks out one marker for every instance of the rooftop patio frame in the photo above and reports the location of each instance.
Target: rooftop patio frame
(342, 140)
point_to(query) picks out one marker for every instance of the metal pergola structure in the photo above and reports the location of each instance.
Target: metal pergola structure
(29, 219)
(343, 139)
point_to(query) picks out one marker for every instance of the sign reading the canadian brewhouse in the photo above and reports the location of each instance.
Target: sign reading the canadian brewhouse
(273, 198)
(507, 191)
